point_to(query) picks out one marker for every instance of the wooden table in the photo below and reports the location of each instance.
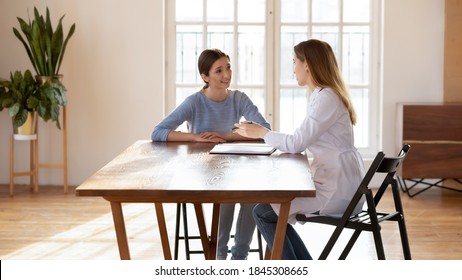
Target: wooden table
(180, 172)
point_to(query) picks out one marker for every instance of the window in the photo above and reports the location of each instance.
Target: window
(259, 36)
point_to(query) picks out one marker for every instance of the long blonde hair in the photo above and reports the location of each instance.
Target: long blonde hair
(324, 70)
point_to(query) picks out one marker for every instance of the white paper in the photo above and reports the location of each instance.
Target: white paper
(243, 148)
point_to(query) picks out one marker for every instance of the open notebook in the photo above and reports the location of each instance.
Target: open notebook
(243, 149)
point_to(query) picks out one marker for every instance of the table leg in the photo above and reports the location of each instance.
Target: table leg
(163, 231)
(281, 227)
(202, 229)
(121, 233)
(214, 232)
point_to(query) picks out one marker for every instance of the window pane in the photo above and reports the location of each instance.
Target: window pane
(356, 10)
(251, 60)
(251, 10)
(344, 24)
(294, 11)
(356, 55)
(290, 36)
(183, 92)
(360, 99)
(220, 10)
(188, 49)
(189, 10)
(330, 34)
(326, 10)
(221, 37)
(293, 104)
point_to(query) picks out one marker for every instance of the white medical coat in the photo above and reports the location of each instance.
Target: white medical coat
(337, 167)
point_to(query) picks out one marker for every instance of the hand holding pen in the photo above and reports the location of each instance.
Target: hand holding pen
(250, 129)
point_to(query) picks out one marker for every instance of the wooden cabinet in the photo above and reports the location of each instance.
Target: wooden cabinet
(434, 131)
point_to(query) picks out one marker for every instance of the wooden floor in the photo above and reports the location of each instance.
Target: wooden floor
(51, 225)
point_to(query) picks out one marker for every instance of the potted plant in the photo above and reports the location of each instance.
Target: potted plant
(24, 97)
(19, 96)
(45, 48)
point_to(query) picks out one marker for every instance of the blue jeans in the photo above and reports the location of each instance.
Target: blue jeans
(245, 227)
(266, 220)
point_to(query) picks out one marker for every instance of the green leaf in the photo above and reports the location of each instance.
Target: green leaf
(7, 102)
(26, 28)
(20, 118)
(13, 110)
(49, 54)
(42, 111)
(69, 35)
(49, 27)
(37, 49)
(39, 19)
(57, 45)
(26, 46)
(32, 103)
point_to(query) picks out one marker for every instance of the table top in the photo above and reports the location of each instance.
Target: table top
(185, 172)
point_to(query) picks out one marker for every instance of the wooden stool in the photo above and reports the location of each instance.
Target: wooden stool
(181, 209)
(33, 172)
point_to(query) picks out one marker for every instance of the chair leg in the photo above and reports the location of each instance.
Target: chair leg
(260, 246)
(177, 230)
(179, 208)
(185, 227)
(350, 244)
(330, 244)
(401, 222)
(379, 244)
(375, 226)
(404, 239)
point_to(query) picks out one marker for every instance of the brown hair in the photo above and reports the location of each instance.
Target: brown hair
(324, 70)
(207, 59)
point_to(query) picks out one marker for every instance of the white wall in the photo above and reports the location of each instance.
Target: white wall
(413, 55)
(113, 70)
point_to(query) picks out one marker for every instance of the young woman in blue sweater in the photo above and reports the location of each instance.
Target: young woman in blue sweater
(210, 115)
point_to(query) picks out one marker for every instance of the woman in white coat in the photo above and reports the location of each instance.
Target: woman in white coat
(327, 132)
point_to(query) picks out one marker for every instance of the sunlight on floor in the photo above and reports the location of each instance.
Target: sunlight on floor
(96, 239)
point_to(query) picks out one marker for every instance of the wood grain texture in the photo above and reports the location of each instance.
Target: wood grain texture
(186, 172)
(434, 131)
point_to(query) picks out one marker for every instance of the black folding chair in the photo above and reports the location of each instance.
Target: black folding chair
(369, 219)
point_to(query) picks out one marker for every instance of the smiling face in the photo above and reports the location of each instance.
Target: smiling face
(220, 74)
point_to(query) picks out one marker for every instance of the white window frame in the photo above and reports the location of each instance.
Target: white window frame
(273, 87)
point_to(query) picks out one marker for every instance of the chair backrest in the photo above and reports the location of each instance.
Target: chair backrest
(390, 165)
(381, 164)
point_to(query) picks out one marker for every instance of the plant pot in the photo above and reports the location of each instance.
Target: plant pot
(29, 128)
